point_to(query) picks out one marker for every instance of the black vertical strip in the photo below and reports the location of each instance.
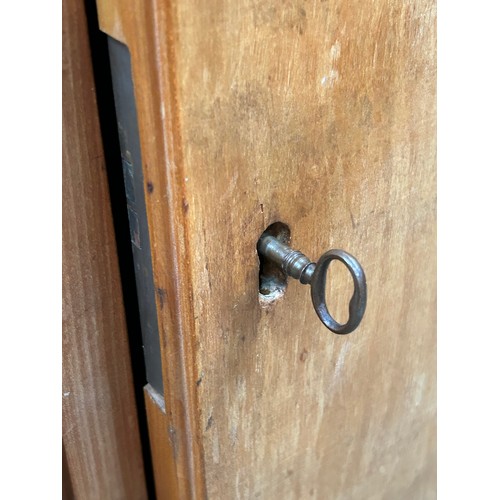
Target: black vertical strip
(128, 133)
(112, 154)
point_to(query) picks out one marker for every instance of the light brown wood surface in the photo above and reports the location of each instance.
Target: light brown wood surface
(163, 445)
(102, 451)
(321, 115)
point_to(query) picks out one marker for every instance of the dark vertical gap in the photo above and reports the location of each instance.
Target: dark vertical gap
(112, 155)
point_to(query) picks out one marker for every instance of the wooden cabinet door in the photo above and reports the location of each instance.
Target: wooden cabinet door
(319, 115)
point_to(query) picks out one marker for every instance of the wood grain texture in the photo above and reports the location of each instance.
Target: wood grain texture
(100, 431)
(321, 115)
(163, 443)
(145, 29)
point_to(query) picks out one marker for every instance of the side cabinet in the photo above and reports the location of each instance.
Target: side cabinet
(317, 117)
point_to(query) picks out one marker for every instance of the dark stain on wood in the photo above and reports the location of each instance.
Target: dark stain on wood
(162, 294)
(185, 206)
(210, 422)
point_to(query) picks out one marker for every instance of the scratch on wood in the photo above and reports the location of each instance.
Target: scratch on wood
(174, 440)
(353, 222)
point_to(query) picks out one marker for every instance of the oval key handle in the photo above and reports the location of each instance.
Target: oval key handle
(298, 266)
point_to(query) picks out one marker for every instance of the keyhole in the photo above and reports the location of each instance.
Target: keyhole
(272, 280)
